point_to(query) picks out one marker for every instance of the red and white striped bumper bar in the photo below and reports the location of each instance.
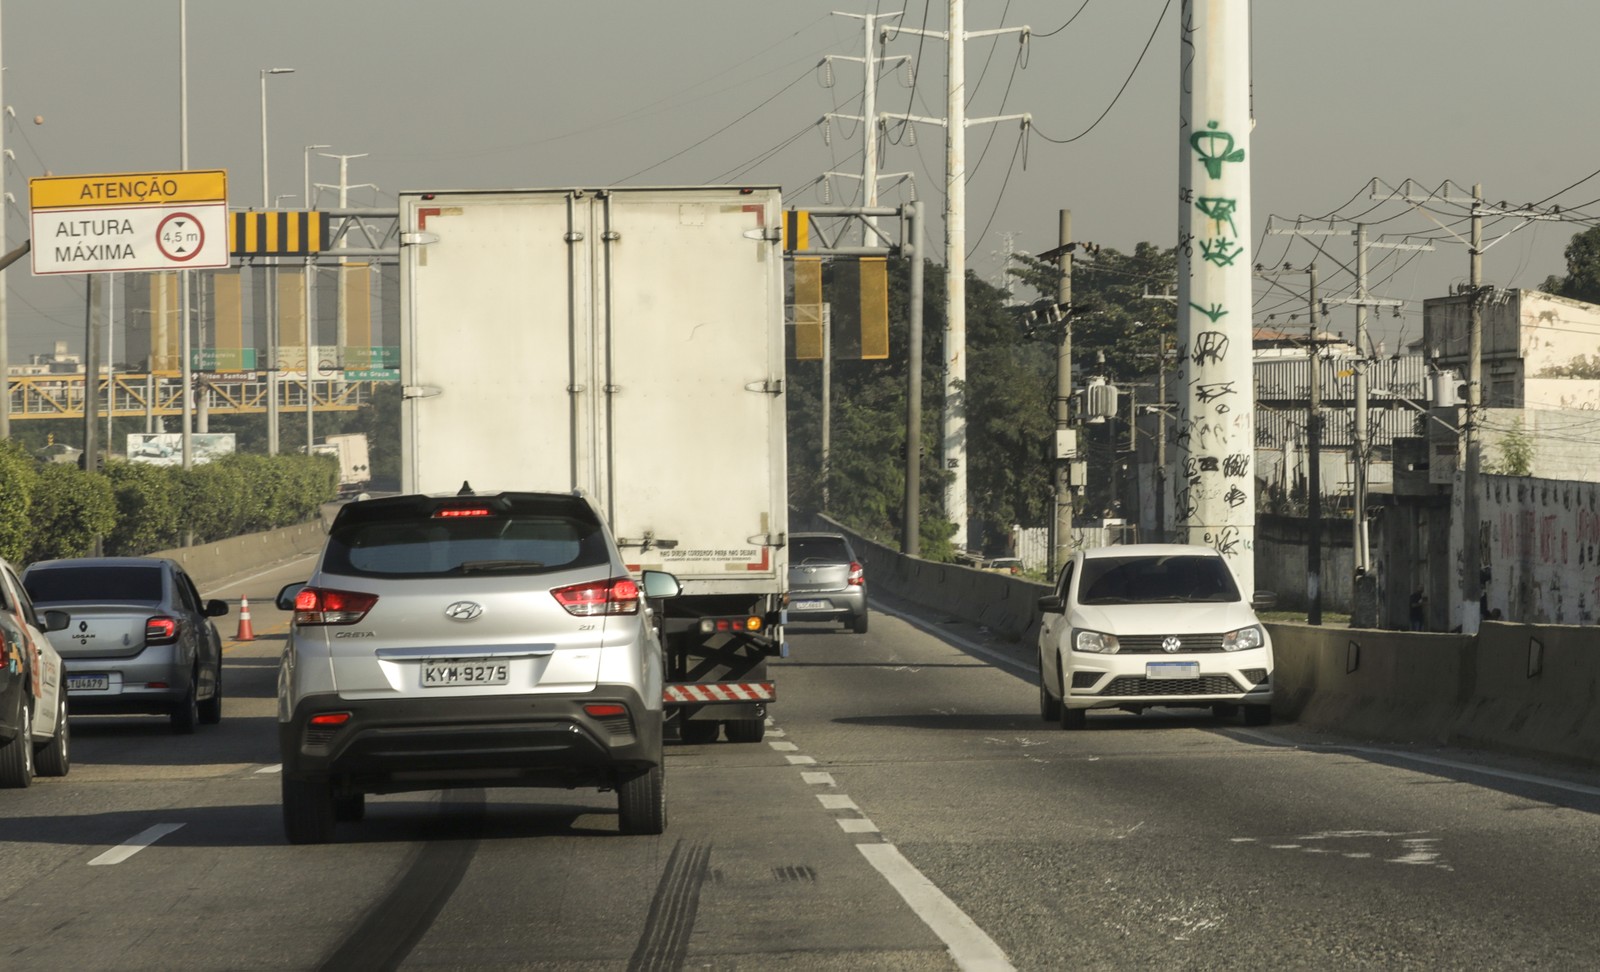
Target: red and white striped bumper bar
(690, 692)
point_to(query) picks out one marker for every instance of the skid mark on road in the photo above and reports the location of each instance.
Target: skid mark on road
(665, 942)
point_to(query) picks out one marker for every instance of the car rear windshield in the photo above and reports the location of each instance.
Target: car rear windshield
(1155, 580)
(819, 550)
(420, 543)
(95, 584)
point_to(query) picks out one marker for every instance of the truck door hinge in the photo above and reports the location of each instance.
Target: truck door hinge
(611, 236)
(418, 238)
(771, 234)
(767, 540)
(420, 391)
(573, 236)
(769, 386)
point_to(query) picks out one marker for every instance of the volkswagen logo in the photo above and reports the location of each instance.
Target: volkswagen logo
(1171, 644)
(464, 611)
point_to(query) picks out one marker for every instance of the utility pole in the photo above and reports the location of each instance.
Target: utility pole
(1471, 555)
(911, 539)
(1314, 465)
(342, 335)
(1061, 551)
(1161, 444)
(869, 116)
(955, 250)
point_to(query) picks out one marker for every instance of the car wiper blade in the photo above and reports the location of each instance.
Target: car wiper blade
(473, 566)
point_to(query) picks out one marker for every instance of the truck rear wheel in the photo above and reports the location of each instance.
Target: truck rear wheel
(746, 730)
(642, 802)
(700, 732)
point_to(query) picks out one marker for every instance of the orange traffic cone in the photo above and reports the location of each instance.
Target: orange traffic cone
(246, 632)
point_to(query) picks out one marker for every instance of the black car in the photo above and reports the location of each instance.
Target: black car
(139, 638)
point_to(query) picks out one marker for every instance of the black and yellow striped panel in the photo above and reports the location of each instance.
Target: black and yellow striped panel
(796, 230)
(278, 233)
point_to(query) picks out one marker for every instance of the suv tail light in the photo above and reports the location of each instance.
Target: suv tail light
(857, 576)
(319, 605)
(160, 630)
(619, 595)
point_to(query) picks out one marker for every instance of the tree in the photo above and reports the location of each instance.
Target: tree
(1582, 280)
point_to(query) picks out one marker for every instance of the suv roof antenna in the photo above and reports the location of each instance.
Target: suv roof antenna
(466, 488)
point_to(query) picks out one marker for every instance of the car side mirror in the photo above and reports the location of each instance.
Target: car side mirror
(216, 608)
(55, 620)
(659, 583)
(1052, 604)
(1264, 601)
(286, 596)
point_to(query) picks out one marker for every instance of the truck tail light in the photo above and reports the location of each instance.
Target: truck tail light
(857, 576)
(160, 630)
(619, 595)
(320, 605)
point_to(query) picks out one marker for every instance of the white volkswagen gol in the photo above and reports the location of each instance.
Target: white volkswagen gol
(1131, 627)
(470, 640)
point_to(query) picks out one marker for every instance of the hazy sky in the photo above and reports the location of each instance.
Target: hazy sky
(535, 93)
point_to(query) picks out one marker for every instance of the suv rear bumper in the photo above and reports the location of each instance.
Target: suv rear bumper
(400, 745)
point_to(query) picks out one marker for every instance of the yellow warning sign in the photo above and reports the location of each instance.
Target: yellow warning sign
(128, 189)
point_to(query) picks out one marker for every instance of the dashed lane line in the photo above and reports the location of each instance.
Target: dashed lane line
(134, 844)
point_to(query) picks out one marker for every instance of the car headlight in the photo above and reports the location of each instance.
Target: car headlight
(1251, 637)
(1095, 641)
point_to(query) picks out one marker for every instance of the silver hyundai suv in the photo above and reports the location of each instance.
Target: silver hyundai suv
(470, 640)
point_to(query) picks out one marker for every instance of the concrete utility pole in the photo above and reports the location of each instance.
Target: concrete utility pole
(1062, 551)
(911, 538)
(869, 115)
(5, 336)
(955, 251)
(1471, 555)
(1314, 464)
(185, 347)
(309, 290)
(1216, 437)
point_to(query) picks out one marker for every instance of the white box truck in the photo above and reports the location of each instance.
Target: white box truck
(355, 466)
(627, 343)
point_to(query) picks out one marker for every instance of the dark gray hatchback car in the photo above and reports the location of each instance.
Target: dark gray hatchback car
(139, 639)
(826, 581)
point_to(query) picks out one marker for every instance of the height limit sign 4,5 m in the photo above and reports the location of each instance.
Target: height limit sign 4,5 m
(133, 221)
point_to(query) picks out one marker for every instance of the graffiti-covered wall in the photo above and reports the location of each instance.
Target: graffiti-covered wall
(1541, 542)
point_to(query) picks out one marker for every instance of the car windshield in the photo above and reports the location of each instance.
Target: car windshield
(819, 550)
(95, 584)
(1155, 580)
(513, 542)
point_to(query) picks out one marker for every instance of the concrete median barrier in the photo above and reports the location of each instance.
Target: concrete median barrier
(210, 563)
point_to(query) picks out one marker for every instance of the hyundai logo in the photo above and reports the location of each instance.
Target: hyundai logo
(1171, 644)
(464, 611)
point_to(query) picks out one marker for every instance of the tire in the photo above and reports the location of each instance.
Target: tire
(350, 808)
(54, 758)
(1049, 705)
(859, 624)
(211, 709)
(746, 730)
(642, 802)
(1074, 719)
(700, 732)
(1258, 715)
(16, 756)
(186, 715)
(308, 811)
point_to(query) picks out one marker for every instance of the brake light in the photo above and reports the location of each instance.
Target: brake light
(857, 575)
(619, 595)
(330, 719)
(160, 630)
(318, 605)
(451, 512)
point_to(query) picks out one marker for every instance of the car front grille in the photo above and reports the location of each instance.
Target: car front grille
(1083, 680)
(1133, 685)
(1255, 676)
(1189, 644)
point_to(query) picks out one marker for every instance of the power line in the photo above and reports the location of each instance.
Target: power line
(1125, 83)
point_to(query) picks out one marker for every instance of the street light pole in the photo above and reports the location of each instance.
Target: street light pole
(308, 290)
(272, 317)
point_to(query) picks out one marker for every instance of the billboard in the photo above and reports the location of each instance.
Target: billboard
(166, 448)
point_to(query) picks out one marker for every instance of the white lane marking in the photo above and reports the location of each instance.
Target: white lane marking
(134, 844)
(857, 825)
(836, 801)
(781, 746)
(274, 768)
(818, 779)
(969, 946)
(1545, 781)
(801, 760)
(236, 581)
(776, 732)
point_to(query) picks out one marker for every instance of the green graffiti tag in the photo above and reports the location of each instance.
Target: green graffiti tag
(1217, 150)
(1221, 251)
(1220, 210)
(1216, 312)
